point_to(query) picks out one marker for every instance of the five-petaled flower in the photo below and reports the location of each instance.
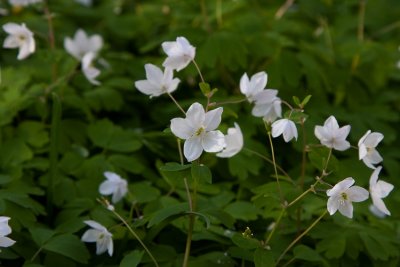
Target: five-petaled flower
(234, 142)
(157, 82)
(285, 127)
(253, 86)
(198, 131)
(82, 44)
(342, 195)
(101, 236)
(332, 136)
(379, 190)
(114, 185)
(19, 37)
(180, 53)
(366, 148)
(5, 229)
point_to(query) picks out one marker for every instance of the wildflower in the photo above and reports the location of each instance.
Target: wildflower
(332, 136)
(100, 235)
(374, 210)
(157, 82)
(253, 86)
(115, 186)
(366, 148)
(379, 190)
(285, 127)
(198, 131)
(342, 195)
(272, 112)
(23, 2)
(19, 37)
(5, 229)
(234, 142)
(89, 70)
(82, 44)
(180, 53)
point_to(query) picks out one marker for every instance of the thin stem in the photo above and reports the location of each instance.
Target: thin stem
(218, 12)
(51, 37)
(275, 168)
(326, 163)
(198, 70)
(300, 236)
(276, 225)
(269, 161)
(36, 254)
(282, 10)
(191, 223)
(361, 18)
(304, 156)
(180, 150)
(176, 103)
(228, 102)
(188, 194)
(136, 236)
(288, 105)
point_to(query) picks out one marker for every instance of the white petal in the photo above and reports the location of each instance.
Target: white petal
(244, 84)
(192, 148)
(331, 124)
(266, 96)
(148, 88)
(340, 187)
(261, 110)
(10, 42)
(373, 139)
(357, 194)
(5, 229)
(290, 132)
(380, 205)
(96, 42)
(95, 225)
(362, 151)
(341, 145)
(346, 209)
(90, 235)
(71, 48)
(213, 141)
(6, 242)
(182, 128)
(4, 219)
(213, 119)
(173, 85)
(154, 73)
(195, 116)
(177, 63)
(234, 142)
(333, 204)
(112, 176)
(374, 177)
(321, 133)
(361, 141)
(378, 213)
(258, 82)
(102, 245)
(110, 247)
(107, 188)
(382, 189)
(343, 132)
(278, 127)
(374, 157)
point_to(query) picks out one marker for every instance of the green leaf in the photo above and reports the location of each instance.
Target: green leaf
(174, 167)
(144, 192)
(205, 88)
(242, 210)
(132, 259)
(263, 258)
(303, 252)
(246, 243)
(41, 235)
(318, 157)
(70, 246)
(14, 152)
(296, 100)
(305, 101)
(130, 163)
(334, 246)
(201, 173)
(295, 115)
(164, 213)
(106, 135)
(104, 98)
(33, 133)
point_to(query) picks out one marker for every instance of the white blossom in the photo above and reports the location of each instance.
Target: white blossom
(332, 136)
(342, 195)
(114, 185)
(101, 236)
(379, 190)
(5, 229)
(82, 44)
(180, 53)
(198, 131)
(253, 86)
(23, 2)
(88, 68)
(19, 37)
(234, 142)
(157, 82)
(366, 148)
(284, 127)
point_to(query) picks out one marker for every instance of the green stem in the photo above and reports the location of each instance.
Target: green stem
(180, 150)
(176, 103)
(198, 70)
(136, 236)
(275, 226)
(191, 221)
(275, 168)
(300, 236)
(304, 156)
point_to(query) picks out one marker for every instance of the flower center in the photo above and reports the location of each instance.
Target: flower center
(199, 131)
(344, 196)
(101, 236)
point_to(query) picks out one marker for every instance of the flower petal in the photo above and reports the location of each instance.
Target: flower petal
(192, 148)
(154, 73)
(333, 204)
(90, 235)
(346, 209)
(213, 119)
(357, 194)
(382, 189)
(95, 225)
(213, 141)
(6, 242)
(341, 186)
(380, 205)
(182, 128)
(374, 177)
(373, 139)
(195, 116)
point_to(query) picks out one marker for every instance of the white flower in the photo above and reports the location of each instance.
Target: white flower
(82, 44)
(342, 195)
(157, 82)
(5, 229)
(366, 148)
(100, 235)
(256, 84)
(285, 127)
(234, 142)
(267, 105)
(197, 129)
(374, 210)
(273, 112)
(23, 2)
(115, 186)
(180, 53)
(379, 190)
(89, 70)
(332, 136)
(19, 37)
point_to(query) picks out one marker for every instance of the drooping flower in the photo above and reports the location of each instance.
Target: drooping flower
(255, 85)
(274, 111)
(366, 148)
(5, 229)
(198, 131)
(23, 2)
(19, 37)
(114, 185)
(82, 44)
(342, 195)
(234, 142)
(332, 136)
(180, 53)
(285, 127)
(89, 70)
(157, 82)
(101, 236)
(379, 190)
